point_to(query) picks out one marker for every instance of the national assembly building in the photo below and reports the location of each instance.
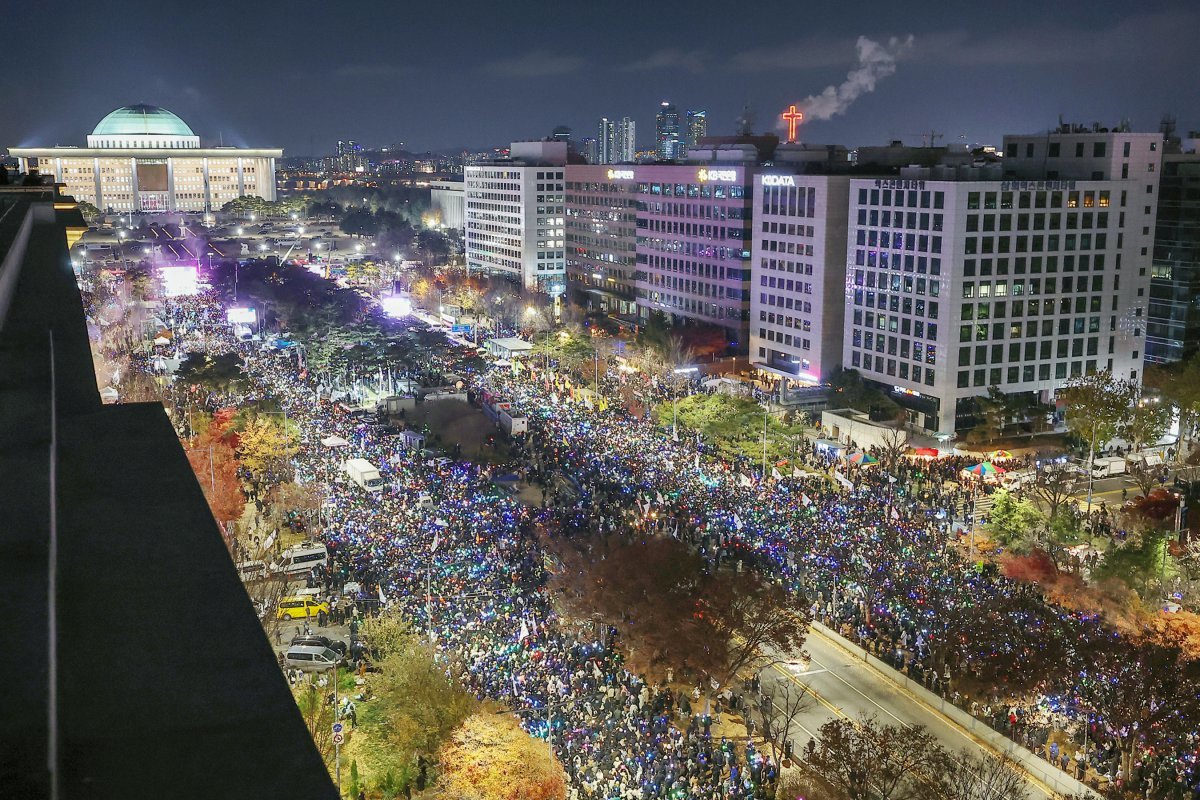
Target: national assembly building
(144, 159)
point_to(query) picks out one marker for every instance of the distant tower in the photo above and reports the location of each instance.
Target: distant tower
(745, 122)
(562, 134)
(666, 129)
(697, 126)
(606, 141)
(626, 148)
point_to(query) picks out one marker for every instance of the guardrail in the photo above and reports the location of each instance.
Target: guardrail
(1042, 770)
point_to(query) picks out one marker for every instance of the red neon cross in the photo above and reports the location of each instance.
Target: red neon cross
(792, 117)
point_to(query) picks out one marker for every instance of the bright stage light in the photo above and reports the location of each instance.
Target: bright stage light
(396, 306)
(179, 281)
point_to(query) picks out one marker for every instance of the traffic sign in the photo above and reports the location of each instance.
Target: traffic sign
(337, 727)
(339, 738)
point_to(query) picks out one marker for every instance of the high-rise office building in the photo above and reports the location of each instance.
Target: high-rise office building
(606, 141)
(591, 150)
(797, 293)
(668, 141)
(601, 234)
(697, 127)
(625, 147)
(1018, 277)
(1173, 324)
(514, 215)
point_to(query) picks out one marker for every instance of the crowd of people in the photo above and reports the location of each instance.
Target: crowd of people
(871, 551)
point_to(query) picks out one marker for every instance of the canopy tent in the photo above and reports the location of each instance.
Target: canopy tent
(861, 457)
(985, 469)
(924, 452)
(1001, 454)
(335, 441)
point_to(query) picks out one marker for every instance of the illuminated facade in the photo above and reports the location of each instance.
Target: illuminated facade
(797, 302)
(1020, 277)
(601, 234)
(144, 159)
(514, 215)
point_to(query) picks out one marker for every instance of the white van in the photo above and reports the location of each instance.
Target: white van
(303, 557)
(311, 658)
(424, 501)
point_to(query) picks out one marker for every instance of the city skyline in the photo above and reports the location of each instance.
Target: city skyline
(970, 81)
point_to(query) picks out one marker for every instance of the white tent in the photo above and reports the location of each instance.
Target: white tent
(335, 441)
(109, 395)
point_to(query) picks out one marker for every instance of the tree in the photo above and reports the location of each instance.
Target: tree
(1097, 406)
(318, 718)
(753, 618)
(1053, 485)
(1146, 420)
(983, 775)
(91, 214)
(265, 444)
(216, 468)
(892, 444)
(863, 760)
(213, 373)
(1179, 385)
(490, 758)
(783, 707)
(1014, 522)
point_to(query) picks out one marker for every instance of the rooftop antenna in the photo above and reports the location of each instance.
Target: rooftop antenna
(745, 122)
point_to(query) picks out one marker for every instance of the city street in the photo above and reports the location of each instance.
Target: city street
(842, 685)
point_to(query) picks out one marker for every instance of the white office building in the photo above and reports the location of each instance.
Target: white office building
(798, 286)
(447, 199)
(144, 159)
(514, 214)
(1020, 276)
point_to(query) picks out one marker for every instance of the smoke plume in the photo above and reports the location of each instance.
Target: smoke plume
(875, 61)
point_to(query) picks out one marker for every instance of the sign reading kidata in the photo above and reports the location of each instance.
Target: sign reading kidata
(620, 174)
(778, 180)
(717, 175)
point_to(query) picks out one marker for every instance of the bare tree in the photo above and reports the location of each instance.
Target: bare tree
(1053, 486)
(892, 444)
(779, 710)
(982, 776)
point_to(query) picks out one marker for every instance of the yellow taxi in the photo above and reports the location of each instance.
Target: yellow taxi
(301, 608)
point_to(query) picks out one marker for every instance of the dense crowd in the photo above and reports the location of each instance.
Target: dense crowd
(870, 551)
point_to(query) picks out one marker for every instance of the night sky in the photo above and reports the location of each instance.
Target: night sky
(448, 75)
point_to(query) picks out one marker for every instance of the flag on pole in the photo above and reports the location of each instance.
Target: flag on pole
(524, 631)
(659, 498)
(796, 473)
(805, 499)
(737, 522)
(775, 474)
(382, 599)
(743, 480)
(436, 539)
(270, 541)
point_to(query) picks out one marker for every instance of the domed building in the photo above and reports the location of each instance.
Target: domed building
(145, 159)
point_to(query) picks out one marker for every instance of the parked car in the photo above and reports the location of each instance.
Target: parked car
(312, 658)
(301, 608)
(321, 641)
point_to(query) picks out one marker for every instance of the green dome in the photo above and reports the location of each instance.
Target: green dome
(141, 120)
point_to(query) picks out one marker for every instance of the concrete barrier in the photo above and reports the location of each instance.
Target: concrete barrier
(1043, 771)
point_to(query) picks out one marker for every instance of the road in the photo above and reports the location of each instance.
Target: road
(844, 686)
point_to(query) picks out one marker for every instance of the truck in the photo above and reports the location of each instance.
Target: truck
(514, 423)
(1108, 467)
(364, 474)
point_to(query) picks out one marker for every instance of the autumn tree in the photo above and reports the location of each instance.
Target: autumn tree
(213, 373)
(417, 706)
(1144, 692)
(489, 757)
(216, 467)
(656, 593)
(265, 444)
(754, 619)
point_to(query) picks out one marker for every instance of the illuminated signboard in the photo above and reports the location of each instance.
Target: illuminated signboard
(717, 175)
(620, 174)
(778, 180)
(241, 316)
(902, 390)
